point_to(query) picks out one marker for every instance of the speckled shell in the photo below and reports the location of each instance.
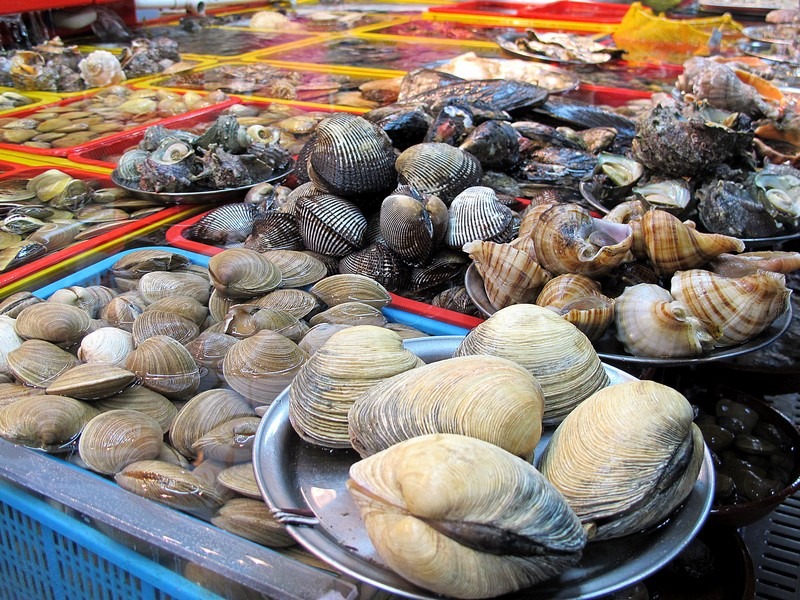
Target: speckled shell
(741, 307)
(626, 457)
(650, 322)
(351, 157)
(243, 273)
(412, 225)
(377, 261)
(476, 214)
(439, 169)
(113, 439)
(330, 225)
(580, 301)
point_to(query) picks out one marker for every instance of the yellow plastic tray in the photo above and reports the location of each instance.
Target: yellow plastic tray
(38, 98)
(510, 21)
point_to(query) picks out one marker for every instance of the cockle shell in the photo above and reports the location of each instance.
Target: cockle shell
(61, 324)
(229, 442)
(650, 322)
(510, 276)
(90, 382)
(37, 363)
(378, 262)
(349, 363)
(330, 225)
(626, 457)
(243, 273)
(674, 246)
(476, 214)
(741, 307)
(226, 224)
(487, 397)
(554, 351)
(413, 225)
(252, 520)
(747, 263)
(458, 502)
(113, 439)
(165, 366)
(580, 301)
(438, 169)
(47, 422)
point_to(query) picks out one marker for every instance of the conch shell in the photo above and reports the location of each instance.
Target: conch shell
(747, 263)
(579, 300)
(626, 457)
(453, 514)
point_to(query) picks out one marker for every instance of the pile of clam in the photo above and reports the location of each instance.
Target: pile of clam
(155, 375)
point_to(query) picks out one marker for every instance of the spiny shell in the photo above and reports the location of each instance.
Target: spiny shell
(476, 214)
(438, 169)
(243, 273)
(555, 352)
(114, 439)
(413, 225)
(457, 501)
(229, 442)
(61, 324)
(50, 423)
(37, 363)
(162, 284)
(487, 397)
(261, 366)
(350, 313)
(144, 400)
(298, 269)
(88, 382)
(330, 225)
(351, 287)
(349, 363)
(741, 307)
(252, 520)
(106, 345)
(650, 322)
(579, 300)
(626, 457)
(165, 366)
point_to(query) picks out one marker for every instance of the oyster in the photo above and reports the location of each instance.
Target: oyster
(479, 538)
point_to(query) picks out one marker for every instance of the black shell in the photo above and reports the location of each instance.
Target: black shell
(413, 225)
(438, 169)
(494, 143)
(476, 214)
(275, 230)
(377, 262)
(446, 266)
(330, 225)
(226, 224)
(727, 207)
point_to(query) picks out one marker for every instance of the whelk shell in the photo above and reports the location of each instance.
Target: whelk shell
(747, 263)
(114, 439)
(579, 300)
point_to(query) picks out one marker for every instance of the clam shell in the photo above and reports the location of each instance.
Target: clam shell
(144, 400)
(438, 169)
(476, 214)
(60, 324)
(275, 230)
(9, 340)
(243, 273)
(11, 392)
(377, 262)
(219, 305)
(351, 287)
(413, 226)
(241, 479)
(230, 442)
(405, 331)
(252, 520)
(156, 322)
(330, 225)
(106, 345)
(350, 313)
(209, 348)
(747, 263)
(244, 320)
(298, 269)
(226, 224)
(122, 310)
(163, 284)
(446, 266)
(298, 303)
(138, 262)
(12, 305)
(626, 457)
(90, 299)
(114, 439)
(165, 366)
(486, 397)
(88, 382)
(318, 335)
(183, 306)
(37, 363)
(483, 496)
(554, 351)
(47, 422)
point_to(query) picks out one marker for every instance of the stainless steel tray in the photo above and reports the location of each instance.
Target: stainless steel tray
(310, 480)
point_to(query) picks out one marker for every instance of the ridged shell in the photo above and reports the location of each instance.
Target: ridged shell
(351, 157)
(555, 352)
(741, 307)
(116, 438)
(144, 400)
(446, 266)
(162, 284)
(626, 457)
(330, 225)
(106, 345)
(486, 397)
(351, 287)
(275, 230)
(37, 363)
(377, 262)
(138, 262)
(675, 246)
(569, 240)
(412, 225)
(11, 392)
(510, 276)
(261, 366)
(50, 423)
(219, 305)
(747, 263)
(476, 214)
(60, 324)
(165, 366)
(202, 413)
(458, 501)
(243, 273)
(298, 269)
(349, 363)
(159, 322)
(350, 313)
(252, 520)
(88, 382)
(438, 169)
(226, 224)
(580, 301)
(650, 322)
(229, 442)
(244, 320)
(298, 303)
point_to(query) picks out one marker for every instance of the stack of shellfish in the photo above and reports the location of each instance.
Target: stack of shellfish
(156, 375)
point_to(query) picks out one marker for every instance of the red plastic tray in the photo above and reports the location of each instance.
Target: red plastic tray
(562, 10)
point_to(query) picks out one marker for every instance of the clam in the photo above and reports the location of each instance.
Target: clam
(135, 264)
(172, 485)
(438, 169)
(242, 273)
(122, 310)
(447, 266)
(219, 305)
(510, 276)
(165, 366)
(650, 322)
(9, 340)
(158, 322)
(626, 457)
(476, 214)
(741, 307)
(60, 324)
(298, 303)
(12, 305)
(169, 455)
(413, 225)
(240, 478)
(209, 349)
(183, 306)
(229, 442)
(554, 351)
(11, 392)
(37, 363)
(244, 320)
(486, 397)
(203, 413)
(88, 382)
(349, 363)
(114, 439)
(298, 269)
(223, 225)
(261, 366)
(317, 335)
(378, 262)
(252, 520)
(579, 300)
(350, 313)
(90, 299)
(329, 224)
(144, 400)
(46, 422)
(479, 537)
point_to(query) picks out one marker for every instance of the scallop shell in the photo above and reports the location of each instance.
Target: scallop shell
(114, 439)
(47, 422)
(741, 307)
(351, 287)
(165, 366)
(438, 169)
(37, 363)
(413, 225)
(330, 225)
(554, 351)
(243, 273)
(483, 497)
(349, 363)
(650, 322)
(625, 458)
(476, 214)
(60, 324)
(580, 301)
(486, 397)
(88, 382)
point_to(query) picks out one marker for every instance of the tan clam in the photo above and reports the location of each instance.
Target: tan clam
(318, 335)
(106, 345)
(184, 306)
(342, 288)
(747, 263)
(405, 331)
(741, 307)
(464, 506)
(143, 400)
(10, 392)
(169, 455)
(90, 299)
(158, 322)
(626, 457)
(580, 301)
(261, 366)
(219, 305)
(163, 284)
(349, 363)
(298, 269)
(113, 439)
(202, 413)
(229, 442)
(46, 422)
(510, 276)
(9, 340)
(123, 309)
(209, 349)
(243, 273)
(133, 265)
(252, 520)
(88, 382)
(12, 305)
(165, 366)
(244, 320)
(650, 322)
(554, 351)
(299, 303)
(241, 479)
(350, 313)
(61, 324)
(486, 397)
(37, 363)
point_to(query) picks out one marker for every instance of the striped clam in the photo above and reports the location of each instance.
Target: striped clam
(329, 224)
(476, 214)
(377, 261)
(413, 224)
(182, 306)
(580, 301)
(438, 169)
(87, 382)
(37, 363)
(340, 288)
(350, 313)
(625, 458)
(554, 351)
(298, 269)
(48, 422)
(113, 439)
(242, 273)
(9, 340)
(162, 284)
(463, 505)
(223, 225)
(486, 397)
(245, 320)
